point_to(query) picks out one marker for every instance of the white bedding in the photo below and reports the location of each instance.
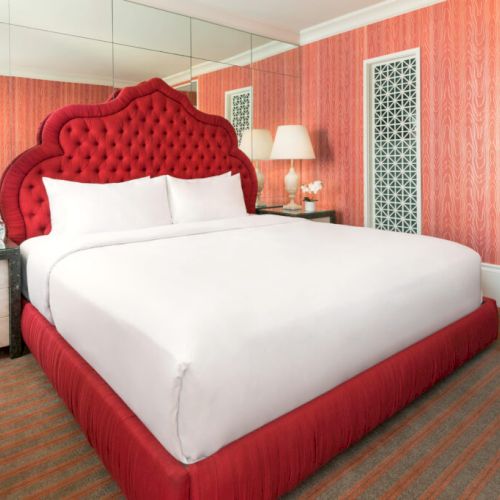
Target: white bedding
(210, 330)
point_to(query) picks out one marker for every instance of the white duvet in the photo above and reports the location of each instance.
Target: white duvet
(210, 330)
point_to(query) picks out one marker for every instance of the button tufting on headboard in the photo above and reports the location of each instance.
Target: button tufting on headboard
(149, 129)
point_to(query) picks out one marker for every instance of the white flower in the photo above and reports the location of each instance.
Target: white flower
(312, 188)
(315, 187)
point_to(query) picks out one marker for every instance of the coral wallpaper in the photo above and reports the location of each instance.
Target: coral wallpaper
(276, 101)
(25, 102)
(459, 44)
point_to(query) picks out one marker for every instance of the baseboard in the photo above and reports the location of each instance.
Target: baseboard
(490, 281)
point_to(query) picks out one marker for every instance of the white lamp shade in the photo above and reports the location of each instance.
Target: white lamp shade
(257, 143)
(292, 143)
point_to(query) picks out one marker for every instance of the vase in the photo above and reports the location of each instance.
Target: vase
(309, 206)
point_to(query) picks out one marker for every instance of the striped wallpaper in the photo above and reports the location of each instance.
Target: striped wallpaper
(460, 114)
(276, 100)
(25, 102)
(460, 117)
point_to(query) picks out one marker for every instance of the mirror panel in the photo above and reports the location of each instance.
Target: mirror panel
(133, 65)
(85, 18)
(63, 58)
(51, 70)
(276, 101)
(4, 11)
(225, 90)
(190, 89)
(150, 28)
(5, 98)
(275, 56)
(4, 49)
(213, 42)
(76, 51)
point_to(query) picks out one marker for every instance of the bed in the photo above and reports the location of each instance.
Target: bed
(249, 396)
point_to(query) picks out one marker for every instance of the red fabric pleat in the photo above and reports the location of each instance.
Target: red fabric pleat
(273, 459)
(133, 456)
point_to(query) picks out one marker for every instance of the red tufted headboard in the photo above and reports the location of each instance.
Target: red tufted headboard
(149, 129)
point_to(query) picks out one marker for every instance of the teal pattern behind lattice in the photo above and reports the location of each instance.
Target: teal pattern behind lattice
(395, 148)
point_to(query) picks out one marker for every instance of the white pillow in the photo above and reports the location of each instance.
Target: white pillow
(193, 200)
(78, 207)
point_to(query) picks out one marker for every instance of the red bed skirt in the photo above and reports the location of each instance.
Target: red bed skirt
(273, 459)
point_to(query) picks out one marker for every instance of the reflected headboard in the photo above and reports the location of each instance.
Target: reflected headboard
(149, 129)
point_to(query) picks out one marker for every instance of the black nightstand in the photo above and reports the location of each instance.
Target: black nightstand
(10, 299)
(319, 215)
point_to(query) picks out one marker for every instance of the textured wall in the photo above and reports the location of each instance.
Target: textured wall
(276, 101)
(25, 102)
(460, 112)
(460, 117)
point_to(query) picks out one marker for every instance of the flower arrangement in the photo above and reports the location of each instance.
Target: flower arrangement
(311, 190)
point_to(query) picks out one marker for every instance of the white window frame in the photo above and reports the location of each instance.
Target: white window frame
(368, 127)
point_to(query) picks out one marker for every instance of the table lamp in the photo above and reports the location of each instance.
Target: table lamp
(256, 143)
(292, 143)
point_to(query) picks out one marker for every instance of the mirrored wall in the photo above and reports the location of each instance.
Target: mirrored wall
(59, 52)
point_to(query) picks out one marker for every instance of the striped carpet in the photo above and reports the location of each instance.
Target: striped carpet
(445, 445)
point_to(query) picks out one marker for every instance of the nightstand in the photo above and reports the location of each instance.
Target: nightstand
(318, 216)
(10, 299)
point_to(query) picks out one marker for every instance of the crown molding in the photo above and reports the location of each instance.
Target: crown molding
(362, 17)
(242, 59)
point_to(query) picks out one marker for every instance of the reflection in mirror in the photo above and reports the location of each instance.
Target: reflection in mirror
(257, 144)
(84, 48)
(5, 98)
(150, 28)
(4, 11)
(191, 91)
(225, 90)
(276, 101)
(85, 18)
(213, 42)
(64, 58)
(51, 70)
(132, 65)
(275, 56)
(4, 49)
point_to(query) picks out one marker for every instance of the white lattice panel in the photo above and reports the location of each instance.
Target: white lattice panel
(239, 110)
(394, 159)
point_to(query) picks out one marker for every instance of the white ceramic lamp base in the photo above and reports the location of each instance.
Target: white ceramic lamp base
(260, 185)
(291, 186)
(292, 206)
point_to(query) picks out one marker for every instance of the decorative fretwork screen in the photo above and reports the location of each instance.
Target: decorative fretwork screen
(392, 150)
(239, 109)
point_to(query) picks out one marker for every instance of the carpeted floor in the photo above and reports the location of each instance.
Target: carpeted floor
(445, 445)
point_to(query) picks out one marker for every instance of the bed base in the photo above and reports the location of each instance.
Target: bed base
(273, 459)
